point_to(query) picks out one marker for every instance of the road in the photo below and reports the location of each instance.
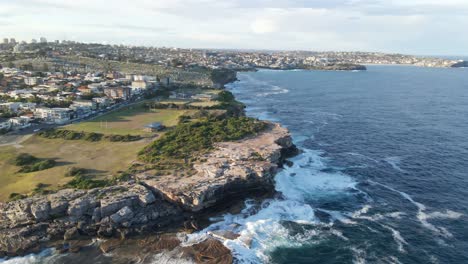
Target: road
(16, 137)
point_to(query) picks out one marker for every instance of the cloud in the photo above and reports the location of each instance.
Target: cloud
(411, 26)
(263, 25)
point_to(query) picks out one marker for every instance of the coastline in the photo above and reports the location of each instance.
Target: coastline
(70, 220)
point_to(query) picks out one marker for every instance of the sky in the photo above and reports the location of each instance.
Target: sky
(420, 27)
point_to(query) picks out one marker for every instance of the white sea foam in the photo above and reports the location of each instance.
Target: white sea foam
(172, 257)
(422, 216)
(398, 238)
(43, 257)
(395, 163)
(263, 231)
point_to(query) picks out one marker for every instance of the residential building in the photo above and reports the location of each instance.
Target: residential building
(118, 92)
(10, 107)
(53, 115)
(31, 81)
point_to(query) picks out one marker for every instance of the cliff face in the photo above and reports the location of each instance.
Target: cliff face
(231, 169)
(220, 77)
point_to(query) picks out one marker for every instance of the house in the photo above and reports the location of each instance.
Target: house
(83, 107)
(118, 92)
(139, 86)
(102, 102)
(31, 81)
(95, 87)
(154, 127)
(5, 125)
(53, 115)
(20, 122)
(84, 90)
(10, 107)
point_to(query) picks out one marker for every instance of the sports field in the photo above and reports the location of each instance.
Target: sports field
(129, 120)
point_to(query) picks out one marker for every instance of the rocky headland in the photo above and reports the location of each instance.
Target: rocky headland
(149, 204)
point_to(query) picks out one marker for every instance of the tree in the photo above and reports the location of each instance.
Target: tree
(1, 76)
(11, 65)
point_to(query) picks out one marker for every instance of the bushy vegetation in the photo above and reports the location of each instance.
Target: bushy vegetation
(16, 196)
(38, 166)
(187, 139)
(75, 171)
(29, 163)
(84, 182)
(88, 136)
(24, 159)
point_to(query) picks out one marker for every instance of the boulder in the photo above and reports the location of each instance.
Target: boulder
(123, 215)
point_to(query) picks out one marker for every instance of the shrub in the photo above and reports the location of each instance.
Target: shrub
(38, 166)
(24, 159)
(88, 136)
(74, 171)
(16, 196)
(185, 140)
(82, 182)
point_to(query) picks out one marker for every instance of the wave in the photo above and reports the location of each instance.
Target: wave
(45, 256)
(395, 163)
(422, 216)
(262, 229)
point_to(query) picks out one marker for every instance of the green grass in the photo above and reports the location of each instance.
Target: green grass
(130, 120)
(101, 160)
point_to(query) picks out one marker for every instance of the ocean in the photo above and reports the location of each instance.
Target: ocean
(382, 177)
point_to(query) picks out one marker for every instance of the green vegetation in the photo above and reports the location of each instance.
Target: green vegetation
(74, 171)
(101, 160)
(29, 163)
(16, 196)
(24, 159)
(93, 137)
(84, 182)
(129, 121)
(186, 140)
(38, 166)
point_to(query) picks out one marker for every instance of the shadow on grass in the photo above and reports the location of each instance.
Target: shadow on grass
(121, 115)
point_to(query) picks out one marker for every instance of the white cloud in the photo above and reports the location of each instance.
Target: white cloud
(410, 26)
(263, 25)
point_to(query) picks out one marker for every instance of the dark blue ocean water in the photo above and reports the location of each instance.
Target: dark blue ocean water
(384, 173)
(383, 177)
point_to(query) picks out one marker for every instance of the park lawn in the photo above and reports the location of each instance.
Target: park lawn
(102, 159)
(175, 101)
(130, 120)
(205, 103)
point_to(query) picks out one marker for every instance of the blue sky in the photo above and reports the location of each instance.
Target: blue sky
(423, 27)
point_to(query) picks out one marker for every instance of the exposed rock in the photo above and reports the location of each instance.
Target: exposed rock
(209, 251)
(123, 215)
(71, 234)
(109, 245)
(233, 168)
(41, 210)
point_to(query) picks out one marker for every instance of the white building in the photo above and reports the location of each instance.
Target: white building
(31, 81)
(139, 86)
(53, 115)
(10, 107)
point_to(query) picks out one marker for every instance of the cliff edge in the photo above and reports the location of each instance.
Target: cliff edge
(231, 169)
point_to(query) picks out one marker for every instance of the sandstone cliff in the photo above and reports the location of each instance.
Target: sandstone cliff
(150, 203)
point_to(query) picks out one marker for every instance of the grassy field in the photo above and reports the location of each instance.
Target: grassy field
(205, 103)
(101, 159)
(130, 120)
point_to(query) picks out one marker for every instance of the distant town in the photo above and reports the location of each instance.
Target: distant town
(46, 83)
